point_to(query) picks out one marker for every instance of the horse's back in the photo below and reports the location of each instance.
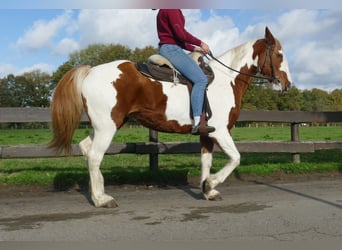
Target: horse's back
(104, 73)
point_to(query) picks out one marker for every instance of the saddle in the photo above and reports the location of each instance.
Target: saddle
(161, 69)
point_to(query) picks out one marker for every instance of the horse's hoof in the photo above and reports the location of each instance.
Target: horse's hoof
(213, 195)
(106, 202)
(217, 197)
(109, 204)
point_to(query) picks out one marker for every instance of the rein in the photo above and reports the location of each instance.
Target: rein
(273, 78)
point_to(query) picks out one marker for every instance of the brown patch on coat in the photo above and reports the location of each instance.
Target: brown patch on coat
(239, 87)
(207, 144)
(242, 82)
(142, 99)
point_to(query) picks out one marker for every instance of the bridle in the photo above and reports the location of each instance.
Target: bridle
(259, 70)
(268, 55)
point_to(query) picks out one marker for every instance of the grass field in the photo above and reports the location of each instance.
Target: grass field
(139, 134)
(128, 168)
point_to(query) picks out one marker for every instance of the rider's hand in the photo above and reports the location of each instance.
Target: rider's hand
(204, 47)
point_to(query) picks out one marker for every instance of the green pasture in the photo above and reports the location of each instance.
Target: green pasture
(130, 168)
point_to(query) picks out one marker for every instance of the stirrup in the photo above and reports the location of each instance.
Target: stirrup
(196, 130)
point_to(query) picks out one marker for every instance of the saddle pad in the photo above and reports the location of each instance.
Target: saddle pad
(160, 60)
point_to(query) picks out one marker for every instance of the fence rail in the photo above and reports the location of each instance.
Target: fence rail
(22, 115)
(153, 147)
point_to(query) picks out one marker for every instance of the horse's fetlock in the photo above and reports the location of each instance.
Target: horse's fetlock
(208, 185)
(205, 186)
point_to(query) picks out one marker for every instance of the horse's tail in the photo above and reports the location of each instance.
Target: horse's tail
(67, 108)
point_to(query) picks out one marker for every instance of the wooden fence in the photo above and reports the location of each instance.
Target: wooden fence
(154, 148)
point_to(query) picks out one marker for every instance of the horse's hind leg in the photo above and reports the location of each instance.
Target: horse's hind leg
(94, 155)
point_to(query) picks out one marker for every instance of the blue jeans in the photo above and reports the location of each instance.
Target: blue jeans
(190, 69)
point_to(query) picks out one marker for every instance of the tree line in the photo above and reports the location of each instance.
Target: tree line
(35, 88)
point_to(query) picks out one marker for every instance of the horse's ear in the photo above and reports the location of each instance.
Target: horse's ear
(269, 37)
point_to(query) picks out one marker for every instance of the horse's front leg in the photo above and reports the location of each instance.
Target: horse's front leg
(207, 147)
(207, 188)
(209, 183)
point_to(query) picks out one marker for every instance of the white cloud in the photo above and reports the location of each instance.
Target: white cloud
(313, 39)
(6, 69)
(41, 34)
(65, 47)
(318, 66)
(219, 32)
(44, 67)
(133, 28)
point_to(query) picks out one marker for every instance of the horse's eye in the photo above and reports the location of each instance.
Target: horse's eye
(279, 54)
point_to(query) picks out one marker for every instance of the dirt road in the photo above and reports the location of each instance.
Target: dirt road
(256, 211)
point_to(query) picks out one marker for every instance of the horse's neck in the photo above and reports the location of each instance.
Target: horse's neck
(238, 58)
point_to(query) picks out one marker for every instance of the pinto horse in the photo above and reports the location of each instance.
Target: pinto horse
(110, 93)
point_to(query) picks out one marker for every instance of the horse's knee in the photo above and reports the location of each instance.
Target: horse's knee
(235, 159)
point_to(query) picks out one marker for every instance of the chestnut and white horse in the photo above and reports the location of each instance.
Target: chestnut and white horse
(111, 92)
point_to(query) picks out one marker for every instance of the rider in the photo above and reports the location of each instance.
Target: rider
(173, 39)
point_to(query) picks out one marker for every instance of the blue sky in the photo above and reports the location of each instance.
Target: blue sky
(44, 38)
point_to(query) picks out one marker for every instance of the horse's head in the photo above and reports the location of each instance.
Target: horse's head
(272, 62)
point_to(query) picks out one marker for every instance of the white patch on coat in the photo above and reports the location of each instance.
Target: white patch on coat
(99, 91)
(284, 66)
(178, 102)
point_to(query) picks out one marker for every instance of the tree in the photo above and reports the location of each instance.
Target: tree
(38, 90)
(30, 89)
(260, 98)
(5, 101)
(60, 72)
(249, 100)
(142, 55)
(98, 54)
(336, 100)
(290, 100)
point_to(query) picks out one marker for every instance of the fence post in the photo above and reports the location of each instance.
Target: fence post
(153, 137)
(295, 137)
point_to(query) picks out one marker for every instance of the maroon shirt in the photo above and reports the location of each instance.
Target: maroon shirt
(170, 27)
